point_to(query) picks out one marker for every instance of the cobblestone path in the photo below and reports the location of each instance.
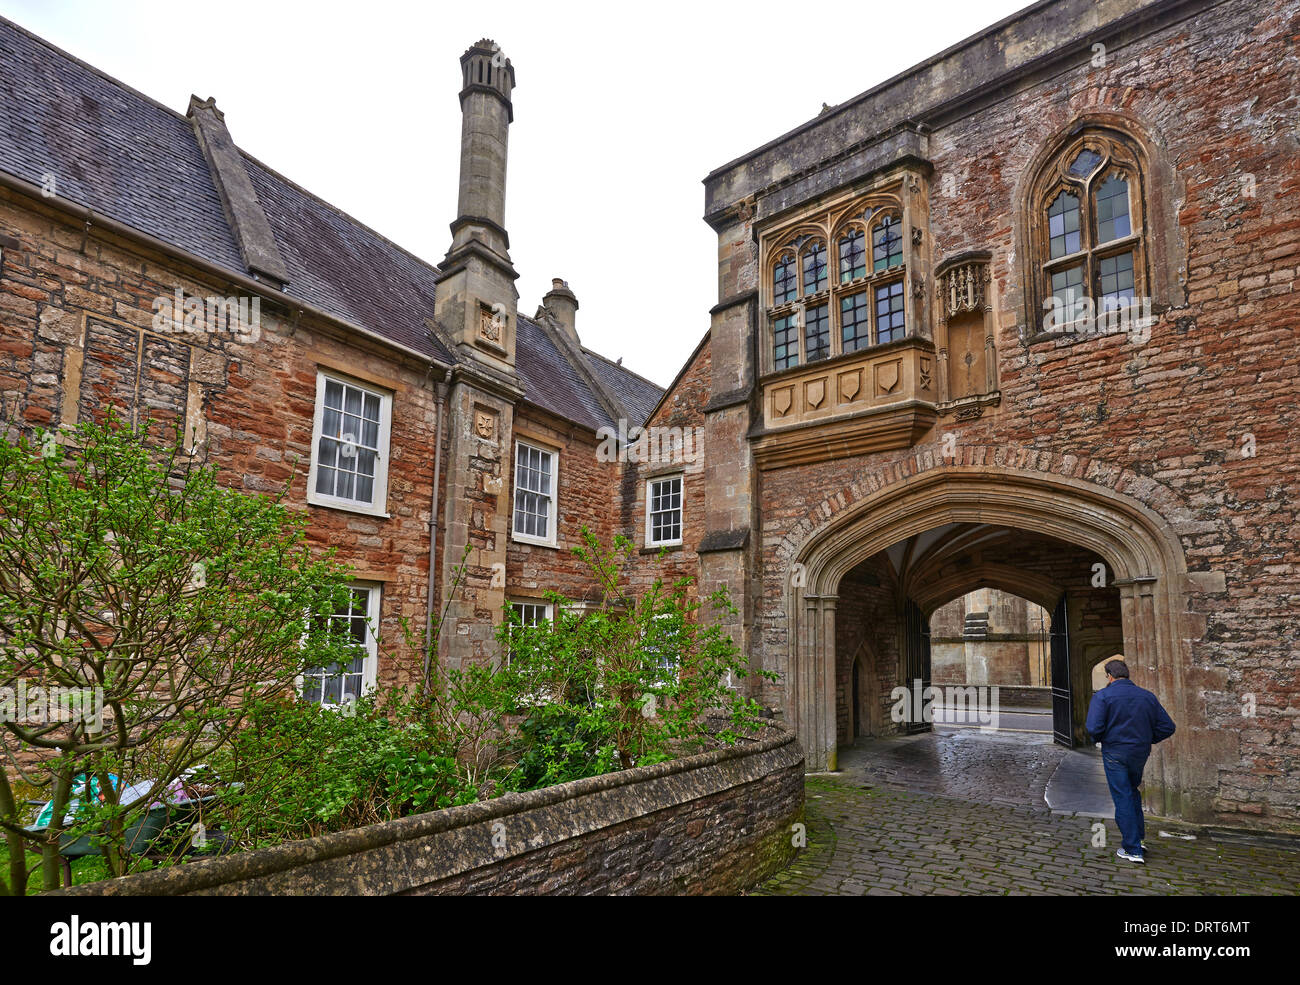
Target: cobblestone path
(945, 814)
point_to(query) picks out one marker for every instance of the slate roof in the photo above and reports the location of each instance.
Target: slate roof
(634, 392)
(123, 155)
(550, 382)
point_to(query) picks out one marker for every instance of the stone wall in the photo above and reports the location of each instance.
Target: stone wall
(1192, 422)
(77, 335)
(715, 823)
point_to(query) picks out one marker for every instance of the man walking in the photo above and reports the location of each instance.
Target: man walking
(1126, 720)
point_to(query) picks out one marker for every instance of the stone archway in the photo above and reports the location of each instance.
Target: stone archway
(1143, 554)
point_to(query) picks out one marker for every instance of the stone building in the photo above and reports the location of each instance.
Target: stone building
(1020, 319)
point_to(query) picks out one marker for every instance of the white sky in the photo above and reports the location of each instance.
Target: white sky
(620, 112)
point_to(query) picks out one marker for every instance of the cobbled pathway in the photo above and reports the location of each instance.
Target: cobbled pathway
(962, 813)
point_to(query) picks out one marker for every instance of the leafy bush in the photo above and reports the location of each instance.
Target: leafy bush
(625, 681)
(131, 577)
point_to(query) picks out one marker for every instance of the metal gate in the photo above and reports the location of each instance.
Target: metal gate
(1062, 712)
(916, 661)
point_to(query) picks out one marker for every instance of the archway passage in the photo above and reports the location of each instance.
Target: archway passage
(888, 604)
(936, 535)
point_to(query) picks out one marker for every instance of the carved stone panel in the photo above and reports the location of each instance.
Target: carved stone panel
(888, 375)
(782, 400)
(815, 392)
(850, 385)
(485, 424)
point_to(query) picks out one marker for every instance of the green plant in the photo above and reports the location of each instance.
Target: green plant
(626, 681)
(166, 603)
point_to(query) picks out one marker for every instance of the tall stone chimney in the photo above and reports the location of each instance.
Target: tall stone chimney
(477, 303)
(563, 306)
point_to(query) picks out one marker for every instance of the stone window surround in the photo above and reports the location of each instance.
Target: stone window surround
(1118, 158)
(830, 223)
(370, 667)
(552, 540)
(1154, 205)
(650, 542)
(379, 506)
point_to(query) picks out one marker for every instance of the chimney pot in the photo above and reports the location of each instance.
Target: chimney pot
(562, 304)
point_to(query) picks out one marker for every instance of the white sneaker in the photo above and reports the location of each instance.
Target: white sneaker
(1130, 858)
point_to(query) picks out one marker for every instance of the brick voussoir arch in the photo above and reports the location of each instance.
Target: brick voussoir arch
(1115, 488)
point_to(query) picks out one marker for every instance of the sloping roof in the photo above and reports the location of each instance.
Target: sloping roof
(636, 393)
(119, 153)
(550, 382)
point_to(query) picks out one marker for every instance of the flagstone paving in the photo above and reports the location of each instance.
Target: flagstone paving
(944, 814)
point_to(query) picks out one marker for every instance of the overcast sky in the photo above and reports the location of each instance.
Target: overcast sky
(620, 112)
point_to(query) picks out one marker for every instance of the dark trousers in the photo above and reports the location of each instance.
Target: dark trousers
(1124, 765)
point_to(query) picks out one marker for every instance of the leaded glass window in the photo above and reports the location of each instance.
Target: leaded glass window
(1089, 233)
(889, 312)
(817, 335)
(855, 322)
(814, 268)
(1113, 220)
(1063, 225)
(785, 342)
(853, 255)
(785, 285)
(887, 243)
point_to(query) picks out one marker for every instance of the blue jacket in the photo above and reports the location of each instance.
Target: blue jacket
(1123, 714)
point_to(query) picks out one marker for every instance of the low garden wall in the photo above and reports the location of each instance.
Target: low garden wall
(713, 823)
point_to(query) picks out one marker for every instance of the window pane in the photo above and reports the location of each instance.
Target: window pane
(1085, 163)
(855, 328)
(853, 256)
(785, 342)
(344, 484)
(1115, 289)
(331, 422)
(889, 312)
(887, 243)
(352, 401)
(784, 286)
(327, 451)
(1067, 293)
(333, 394)
(1112, 210)
(818, 333)
(814, 268)
(1063, 225)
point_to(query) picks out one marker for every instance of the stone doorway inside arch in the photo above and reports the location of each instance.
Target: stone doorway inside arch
(966, 622)
(1108, 568)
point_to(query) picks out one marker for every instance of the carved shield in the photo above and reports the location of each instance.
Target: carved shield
(887, 376)
(850, 384)
(782, 399)
(815, 392)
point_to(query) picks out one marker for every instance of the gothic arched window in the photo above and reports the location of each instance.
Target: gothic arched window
(817, 313)
(1089, 239)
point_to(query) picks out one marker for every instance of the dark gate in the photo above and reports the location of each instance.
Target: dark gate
(1062, 712)
(916, 663)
